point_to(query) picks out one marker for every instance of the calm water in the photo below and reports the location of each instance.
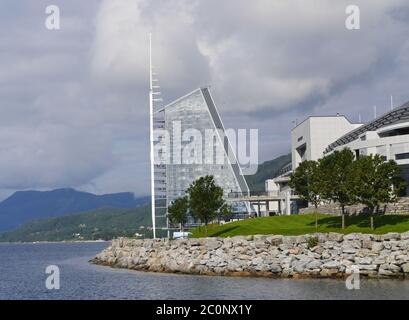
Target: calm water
(22, 276)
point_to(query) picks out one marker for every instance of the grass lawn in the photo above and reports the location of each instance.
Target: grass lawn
(302, 224)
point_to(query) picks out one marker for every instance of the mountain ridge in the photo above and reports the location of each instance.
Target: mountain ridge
(267, 170)
(23, 206)
(46, 212)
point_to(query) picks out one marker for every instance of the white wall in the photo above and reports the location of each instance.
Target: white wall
(316, 133)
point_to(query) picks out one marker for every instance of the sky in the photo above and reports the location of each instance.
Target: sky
(74, 101)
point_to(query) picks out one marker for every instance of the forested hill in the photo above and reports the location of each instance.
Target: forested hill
(266, 170)
(24, 206)
(104, 223)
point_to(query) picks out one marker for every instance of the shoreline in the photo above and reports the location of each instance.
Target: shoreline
(54, 242)
(330, 255)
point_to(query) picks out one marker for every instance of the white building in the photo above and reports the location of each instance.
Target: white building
(311, 137)
(387, 135)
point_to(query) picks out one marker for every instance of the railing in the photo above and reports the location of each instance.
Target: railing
(253, 194)
(235, 195)
(287, 168)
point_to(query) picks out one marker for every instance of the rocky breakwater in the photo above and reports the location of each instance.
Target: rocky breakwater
(315, 255)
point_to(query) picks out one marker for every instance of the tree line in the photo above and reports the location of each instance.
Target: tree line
(342, 178)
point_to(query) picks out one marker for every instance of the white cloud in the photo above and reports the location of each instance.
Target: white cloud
(51, 156)
(120, 51)
(74, 102)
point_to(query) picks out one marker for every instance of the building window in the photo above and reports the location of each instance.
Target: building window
(363, 138)
(402, 156)
(300, 138)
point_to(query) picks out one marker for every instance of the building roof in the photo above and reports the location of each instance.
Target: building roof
(202, 89)
(393, 116)
(330, 116)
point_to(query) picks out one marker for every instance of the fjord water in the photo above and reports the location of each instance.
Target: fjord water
(22, 276)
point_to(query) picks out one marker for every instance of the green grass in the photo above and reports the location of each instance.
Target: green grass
(302, 224)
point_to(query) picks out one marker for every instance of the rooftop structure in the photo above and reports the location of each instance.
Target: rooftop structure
(399, 117)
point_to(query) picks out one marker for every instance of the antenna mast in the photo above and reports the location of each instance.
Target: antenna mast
(152, 159)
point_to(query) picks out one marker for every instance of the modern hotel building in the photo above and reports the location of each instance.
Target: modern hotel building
(192, 144)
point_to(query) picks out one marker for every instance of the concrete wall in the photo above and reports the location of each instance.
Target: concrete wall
(316, 133)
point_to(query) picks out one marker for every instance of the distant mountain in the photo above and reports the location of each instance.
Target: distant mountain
(266, 170)
(24, 206)
(104, 223)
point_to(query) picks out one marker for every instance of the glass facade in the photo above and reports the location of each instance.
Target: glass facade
(198, 146)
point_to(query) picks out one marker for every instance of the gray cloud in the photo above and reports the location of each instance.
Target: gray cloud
(74, 108)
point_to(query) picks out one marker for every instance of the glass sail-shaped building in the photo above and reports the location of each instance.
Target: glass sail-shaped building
(196, 145)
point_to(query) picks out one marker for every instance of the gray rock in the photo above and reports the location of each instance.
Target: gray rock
(371, 267)
(349, 249)
(375, 256)
(331, 265)
(212, 244)
(379, 260)
(328, 272)
(393, 267)
(367, 244)
(366, 260)
(335, 252)
(385, 253)
(302, 239)
(299, 267)
(290, 240)
(244, 257)
(353, 236)
(294, 251)
(325, 255)
(260, 237)
(377, 247)
(317, 249)
(285, 246)
(346, 262)
(328, 244)
(404, 236)
(257, 261)
(390, 236)
(332, 236)
(322, 237)
(275, 268)
(405, 268)
(315, 264)
(275, 240)
(395, 245)
(385, 272)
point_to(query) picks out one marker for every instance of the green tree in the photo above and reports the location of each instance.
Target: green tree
(336, 170)
(178, 211)
(306, 181)
(376, 182)
(205, 199)
(226, 212)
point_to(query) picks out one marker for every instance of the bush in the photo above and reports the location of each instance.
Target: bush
(312, 242)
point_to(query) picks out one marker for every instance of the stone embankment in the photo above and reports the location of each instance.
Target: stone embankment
(315, 255)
